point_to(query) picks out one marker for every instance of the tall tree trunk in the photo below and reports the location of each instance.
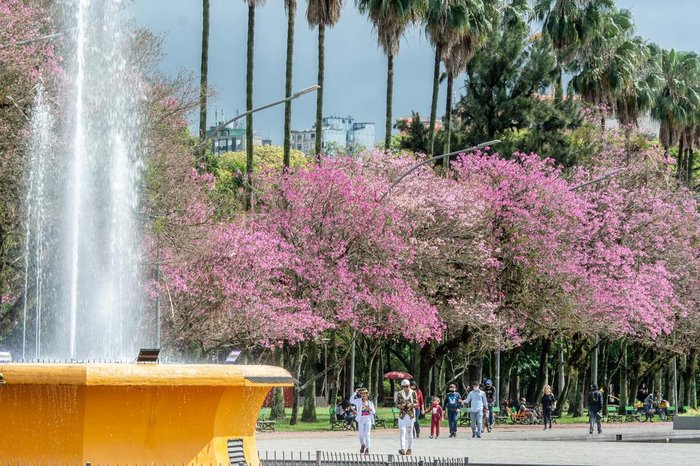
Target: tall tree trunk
(249, 107)
(475, 369)
(309, 412)
(688, 374)
(434, 101)
(319, 93)
(291, 16)
(204, 64)
(624, 390)
(559, 89)
(542, 372)
(298, 362)
(389, 97)
(277, 409)
(603, 378)
(681, 159)
(448, 119)
(690, 163)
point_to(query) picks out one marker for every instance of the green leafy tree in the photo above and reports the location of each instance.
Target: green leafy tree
(322, 13)
(447, 22)
(390, 19)
(569, 23)
(504, 80)
(677, 107)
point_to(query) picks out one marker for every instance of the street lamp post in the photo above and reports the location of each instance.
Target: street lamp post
(296, 95)
(433, 159)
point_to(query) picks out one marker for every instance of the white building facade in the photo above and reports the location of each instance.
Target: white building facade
(339, 134)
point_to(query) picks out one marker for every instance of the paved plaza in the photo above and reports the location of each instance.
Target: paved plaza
(656, 444)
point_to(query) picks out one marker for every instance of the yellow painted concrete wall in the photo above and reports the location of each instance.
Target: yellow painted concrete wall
(120, 424)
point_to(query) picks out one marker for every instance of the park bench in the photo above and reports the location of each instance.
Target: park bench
(631, 414)
(262, 424)
(378, 422)
(613, 414)
(335, 423)
(464, 419)
(395, 413)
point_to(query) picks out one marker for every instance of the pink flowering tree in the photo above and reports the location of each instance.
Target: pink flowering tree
(320, 252)
(22, 67)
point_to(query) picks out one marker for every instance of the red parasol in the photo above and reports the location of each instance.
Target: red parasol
(395, 375)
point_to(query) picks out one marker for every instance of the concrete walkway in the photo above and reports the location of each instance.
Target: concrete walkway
(563, 445)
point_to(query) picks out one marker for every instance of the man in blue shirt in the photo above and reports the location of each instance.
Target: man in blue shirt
(453, 401)
(477, 400)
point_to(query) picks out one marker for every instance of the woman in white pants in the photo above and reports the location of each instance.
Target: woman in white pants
(406, 402)
(365, 419)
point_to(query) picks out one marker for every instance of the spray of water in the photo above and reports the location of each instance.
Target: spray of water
(92, 256)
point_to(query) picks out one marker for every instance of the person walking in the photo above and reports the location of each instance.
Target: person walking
(420, 408)
(365, 418)
(490, 392)
(476, 399)
(452, 404)
(548, 401)
(406, 402)
(436, 415)
(595, 408)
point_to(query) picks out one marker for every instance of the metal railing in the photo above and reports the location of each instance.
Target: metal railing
(321, 458)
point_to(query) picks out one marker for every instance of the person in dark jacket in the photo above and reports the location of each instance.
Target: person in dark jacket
(548, 402)
(595, 408)
(452, 404)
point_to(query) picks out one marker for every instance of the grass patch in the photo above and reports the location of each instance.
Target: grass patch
(323, 423)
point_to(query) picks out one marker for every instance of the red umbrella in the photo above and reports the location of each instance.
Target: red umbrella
(395, 375)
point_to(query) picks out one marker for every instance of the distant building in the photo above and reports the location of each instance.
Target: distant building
(232, 139)
(338, 133)
(226, 139)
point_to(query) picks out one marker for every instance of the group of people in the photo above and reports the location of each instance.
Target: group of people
(651, 403)
(360, 410)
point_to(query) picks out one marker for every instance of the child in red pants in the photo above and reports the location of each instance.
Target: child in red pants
(435, 418)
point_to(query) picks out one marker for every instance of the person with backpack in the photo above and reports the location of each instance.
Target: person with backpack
(452, 404)
(595, 408)
(490, 392)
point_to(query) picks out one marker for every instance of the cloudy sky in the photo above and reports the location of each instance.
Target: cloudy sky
(355, 67)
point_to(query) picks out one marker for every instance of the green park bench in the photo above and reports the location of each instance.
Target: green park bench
(613, 414)
(264, 423)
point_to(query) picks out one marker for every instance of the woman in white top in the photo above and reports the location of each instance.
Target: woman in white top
(365, 419)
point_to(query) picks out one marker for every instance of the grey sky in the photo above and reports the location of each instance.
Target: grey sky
(355, 67)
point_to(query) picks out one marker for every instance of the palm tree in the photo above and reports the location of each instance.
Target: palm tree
(322, 13)
(468, 22)
(390, 19)
(203, 75)
(616, 69)
(677, 106)
(456, 61)
(444, 21)
(291, 7)
(568, 23)
(252, 4)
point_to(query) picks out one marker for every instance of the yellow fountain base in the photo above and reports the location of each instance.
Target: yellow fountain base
(131, 413)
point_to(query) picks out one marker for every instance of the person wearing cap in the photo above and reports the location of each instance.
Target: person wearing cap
(490, 392)
(406, 402)
(365, 418)
(452, 404)
(419, 408)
